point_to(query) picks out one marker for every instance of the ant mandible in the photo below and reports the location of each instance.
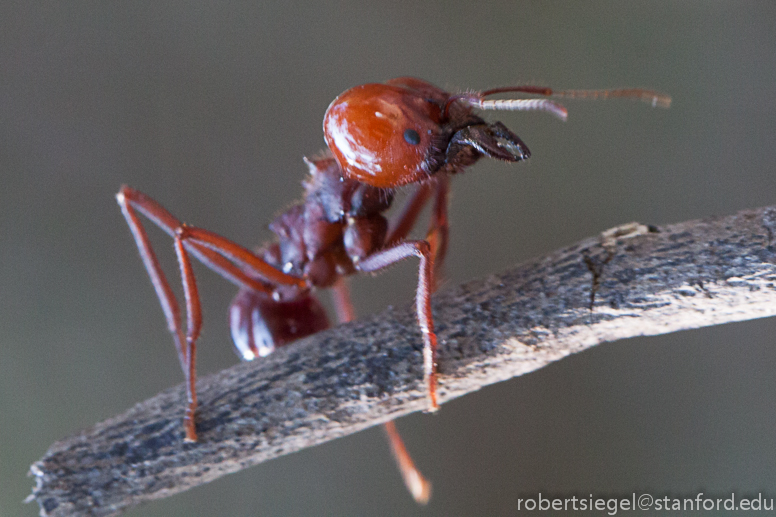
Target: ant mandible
(380, 137)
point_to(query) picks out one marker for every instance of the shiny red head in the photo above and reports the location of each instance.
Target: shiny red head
(406, 130)
(381, 134)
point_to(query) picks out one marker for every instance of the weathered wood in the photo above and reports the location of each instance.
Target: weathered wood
(630, 281)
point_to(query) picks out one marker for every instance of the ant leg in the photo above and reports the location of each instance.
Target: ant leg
(162, 287)
(417, 485)
(422, 250)
(439, 227)
(167, 299)
(405, 221)
(343, 305)
(233, 262)
(193, 327)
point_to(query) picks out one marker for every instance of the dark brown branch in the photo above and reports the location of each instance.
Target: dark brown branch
(629, 281)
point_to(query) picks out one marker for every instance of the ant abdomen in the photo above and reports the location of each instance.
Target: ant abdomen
(259, 324)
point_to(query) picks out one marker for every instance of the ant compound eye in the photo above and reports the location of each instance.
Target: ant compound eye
(411, 137)
(366, 131)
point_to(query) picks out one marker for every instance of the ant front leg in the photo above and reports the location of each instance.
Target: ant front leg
(392, 255)
(403, 223)
(230, 260)
(438, 231)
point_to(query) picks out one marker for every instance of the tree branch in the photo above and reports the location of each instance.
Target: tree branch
(629, 281)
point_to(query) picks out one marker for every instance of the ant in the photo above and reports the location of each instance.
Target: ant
(380, 137)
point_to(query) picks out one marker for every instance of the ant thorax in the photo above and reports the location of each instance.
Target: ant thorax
(338, 223)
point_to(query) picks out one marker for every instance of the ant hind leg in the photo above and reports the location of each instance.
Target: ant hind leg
(231, 261)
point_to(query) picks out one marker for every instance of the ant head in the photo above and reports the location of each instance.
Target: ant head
(407, 130)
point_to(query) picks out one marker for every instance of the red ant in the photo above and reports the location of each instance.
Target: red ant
(380, 137)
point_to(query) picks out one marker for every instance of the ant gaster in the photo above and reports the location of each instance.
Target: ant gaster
(380, 137)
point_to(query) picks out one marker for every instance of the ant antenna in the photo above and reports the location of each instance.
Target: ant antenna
(477, 99)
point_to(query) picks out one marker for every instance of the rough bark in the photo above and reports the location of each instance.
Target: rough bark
(629, 281)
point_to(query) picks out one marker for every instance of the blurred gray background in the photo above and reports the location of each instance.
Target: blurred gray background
(209, 108)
